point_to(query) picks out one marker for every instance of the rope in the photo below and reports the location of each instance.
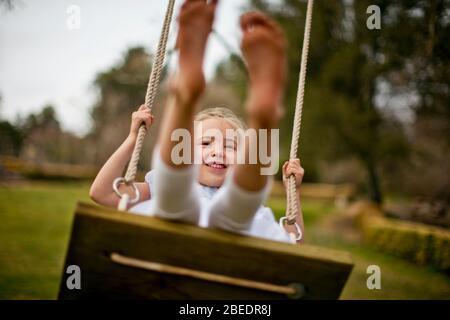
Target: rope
(292, 205)
(152, 87)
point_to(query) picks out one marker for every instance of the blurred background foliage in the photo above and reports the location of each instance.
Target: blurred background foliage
(376, 120)
(376, 108)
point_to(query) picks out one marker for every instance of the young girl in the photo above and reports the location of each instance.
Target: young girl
(218, 192)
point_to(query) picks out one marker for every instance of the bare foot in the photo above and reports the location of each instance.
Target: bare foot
(195, 23)
(264, 48)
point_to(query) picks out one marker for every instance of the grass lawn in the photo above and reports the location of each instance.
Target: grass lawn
(35, 228)
(400, 279)
(34, 233)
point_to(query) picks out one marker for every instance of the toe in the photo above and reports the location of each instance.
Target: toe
(257, 18)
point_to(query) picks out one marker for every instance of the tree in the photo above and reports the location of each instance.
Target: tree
(11, 139)
(348, 66)
(121, 89)
(8, 4)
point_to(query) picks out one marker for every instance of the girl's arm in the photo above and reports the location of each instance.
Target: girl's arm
(101, 189)
(294, 167)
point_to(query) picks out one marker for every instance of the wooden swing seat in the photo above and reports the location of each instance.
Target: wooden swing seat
(127, 256)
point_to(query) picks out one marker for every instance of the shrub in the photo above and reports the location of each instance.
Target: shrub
(419, 243)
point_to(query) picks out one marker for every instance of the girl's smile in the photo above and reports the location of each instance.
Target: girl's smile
(218, 152)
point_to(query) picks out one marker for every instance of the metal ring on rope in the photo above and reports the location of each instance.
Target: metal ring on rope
(118, 181)
(299, 234)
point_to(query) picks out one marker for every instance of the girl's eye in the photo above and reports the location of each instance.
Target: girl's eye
(206, 143)
(231, 147)
(230, 144)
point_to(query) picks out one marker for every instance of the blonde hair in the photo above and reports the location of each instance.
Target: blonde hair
(221, 113)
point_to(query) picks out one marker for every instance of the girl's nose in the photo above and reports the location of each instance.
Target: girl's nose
(217, 151)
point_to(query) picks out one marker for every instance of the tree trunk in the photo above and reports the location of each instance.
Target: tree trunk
(374, 183)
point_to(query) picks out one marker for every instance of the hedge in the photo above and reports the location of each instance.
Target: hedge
(416, 242)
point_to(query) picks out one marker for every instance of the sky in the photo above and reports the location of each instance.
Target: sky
(46, 59)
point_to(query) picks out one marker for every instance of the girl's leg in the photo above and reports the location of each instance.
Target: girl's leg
(263, 46)
(174, 192)
(195, 23)
(234, 207)
(174, 182)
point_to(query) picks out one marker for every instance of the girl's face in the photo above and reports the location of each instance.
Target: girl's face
(217, 150)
